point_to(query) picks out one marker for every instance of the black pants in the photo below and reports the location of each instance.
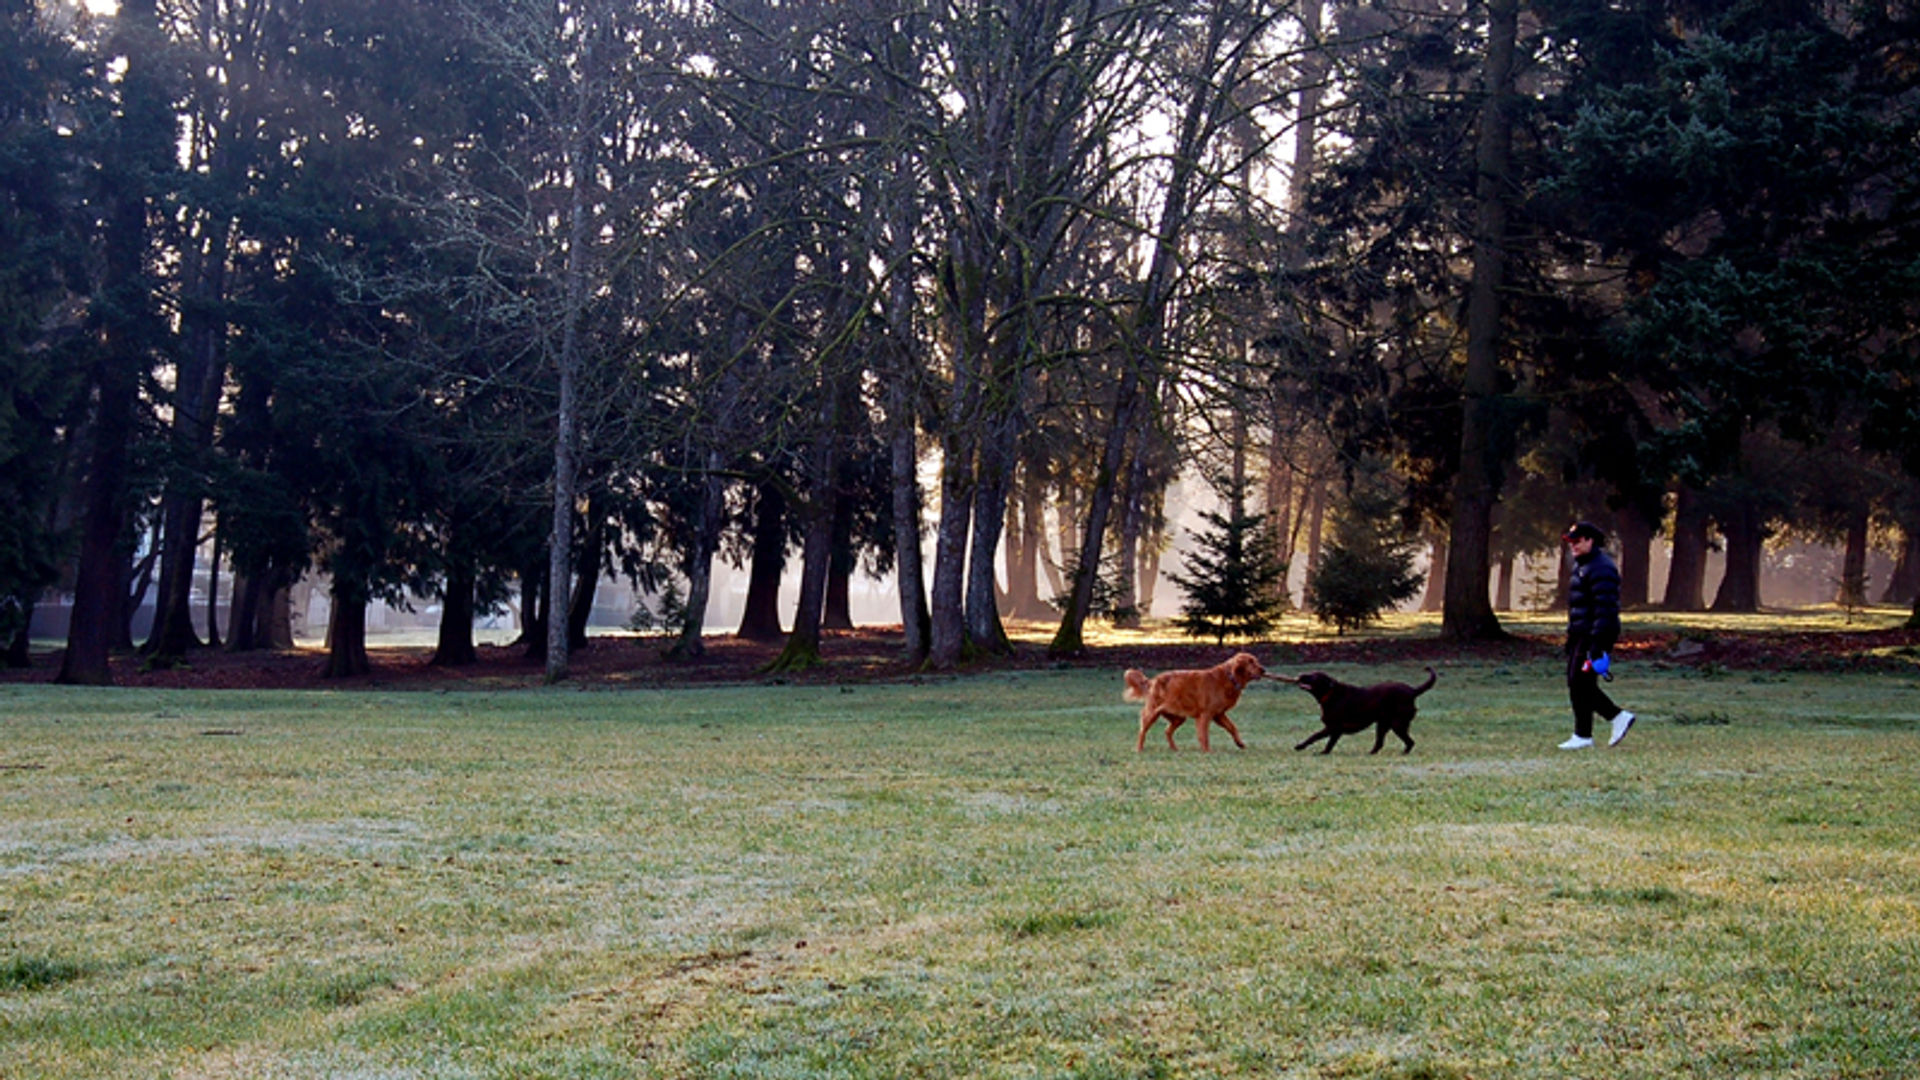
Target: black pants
(1583, 688)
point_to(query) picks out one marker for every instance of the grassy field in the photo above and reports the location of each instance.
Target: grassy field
(971, 877)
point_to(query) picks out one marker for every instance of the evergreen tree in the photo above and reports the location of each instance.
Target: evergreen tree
(42, 78)
(136, 171)
(1235, 583)
(1367, 566)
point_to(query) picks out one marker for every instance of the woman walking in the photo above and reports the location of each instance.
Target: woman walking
(1593, 626)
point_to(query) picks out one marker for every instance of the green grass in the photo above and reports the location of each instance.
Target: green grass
(959, 878)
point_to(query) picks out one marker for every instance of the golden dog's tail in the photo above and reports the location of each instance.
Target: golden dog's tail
(1136, 686)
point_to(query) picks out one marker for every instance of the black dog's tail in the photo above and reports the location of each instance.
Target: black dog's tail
(1432, 677)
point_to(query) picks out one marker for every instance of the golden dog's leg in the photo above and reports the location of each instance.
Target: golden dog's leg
(1173, 724)
(1146, 721)
(1231, 730)
(1202, 723)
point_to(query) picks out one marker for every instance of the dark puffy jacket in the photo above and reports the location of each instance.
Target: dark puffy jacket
(1593, 604)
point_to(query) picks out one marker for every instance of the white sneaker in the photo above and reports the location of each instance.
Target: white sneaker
(1622, 722)
(1577, 743)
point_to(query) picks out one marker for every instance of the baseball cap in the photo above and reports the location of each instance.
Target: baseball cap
(1586, 529)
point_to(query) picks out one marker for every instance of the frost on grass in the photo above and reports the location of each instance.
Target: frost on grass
(258, 1064)
(1517, 767)
(993, 804)
(1503, 839)
(352, 837)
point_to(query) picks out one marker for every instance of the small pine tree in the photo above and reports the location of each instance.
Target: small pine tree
(1235, 578)
(1106, 589)
(672, 613)
(1367, 566)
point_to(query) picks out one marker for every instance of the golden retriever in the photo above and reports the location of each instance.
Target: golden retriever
(1202, 695)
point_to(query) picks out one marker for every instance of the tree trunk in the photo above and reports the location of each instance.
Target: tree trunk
(1503, 589)
(262, 617)
(1067, 517)
(566, 419)
(1070, 638)
(533, 609)
(346, 635)
(560, 534)
(1149, 574)
(1014, 536)
(1316, 520)
(1469, 612)
(1153, 541)
(960, 444)
(140, 147)
(135, 579)
(1636, 557)
(1133, 496)
(905, 375)
(243, 621)
(909, 574)
(1435, 597)
(691, 642)
(984, 627)
(199, 380)
(276, 615)
(1746, 537)
(19, 647)
(255, 582)
(173, 635)
(454, 643)
(1904, 583)
(760, 621)
(1687, 573)
(1852, 591)
(1563, 581)
(97, 616)
(213, 593)
(841, 562)
(1026, 532)
(1279, 494)
(586, 587)
(950, 553)
(816, 556)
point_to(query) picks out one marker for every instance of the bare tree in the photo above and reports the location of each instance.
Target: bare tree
(1207, 76)
(1042, 94)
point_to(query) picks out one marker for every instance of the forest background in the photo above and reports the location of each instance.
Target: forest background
(460, 299)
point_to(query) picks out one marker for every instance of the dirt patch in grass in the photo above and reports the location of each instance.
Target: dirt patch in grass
(874, 654)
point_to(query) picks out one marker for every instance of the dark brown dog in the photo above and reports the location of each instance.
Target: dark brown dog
(1202, 695)
(1348, 710)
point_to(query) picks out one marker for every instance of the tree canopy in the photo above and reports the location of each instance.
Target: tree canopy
(446, 298)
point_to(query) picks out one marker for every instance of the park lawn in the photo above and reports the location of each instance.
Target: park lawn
(971, 877)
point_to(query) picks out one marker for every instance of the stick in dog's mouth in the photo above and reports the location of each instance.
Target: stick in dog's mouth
(1282, 678)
